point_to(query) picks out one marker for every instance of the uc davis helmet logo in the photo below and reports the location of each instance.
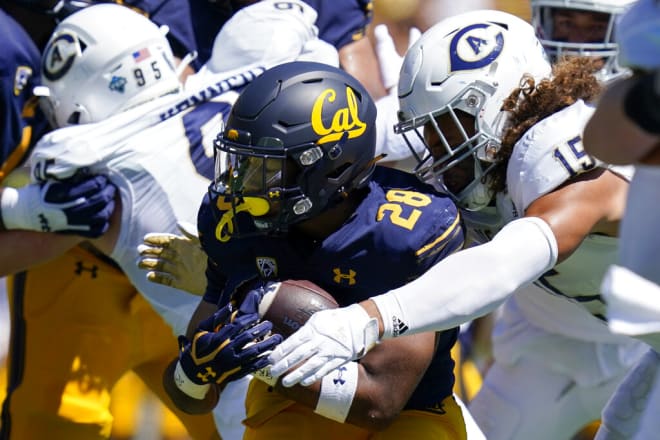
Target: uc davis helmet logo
(345, 120)
(59, 56)
(475, 46)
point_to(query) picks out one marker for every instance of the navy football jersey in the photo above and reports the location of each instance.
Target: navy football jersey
(22, 121)
(398, 231)
(340, 22)
(177, 16)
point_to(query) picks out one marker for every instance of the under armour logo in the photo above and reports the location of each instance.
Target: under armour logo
(340, 277)
(80, 268)
(339, 380)
(45, 227)
(438, 408)
(205, 376)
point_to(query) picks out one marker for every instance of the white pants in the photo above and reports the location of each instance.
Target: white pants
(545, 386)
(632, 411)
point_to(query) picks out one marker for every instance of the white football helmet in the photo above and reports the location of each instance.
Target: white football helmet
(469, 62)
(102, 60)
(607, 49)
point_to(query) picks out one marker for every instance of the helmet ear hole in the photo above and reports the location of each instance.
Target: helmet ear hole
(74, 119)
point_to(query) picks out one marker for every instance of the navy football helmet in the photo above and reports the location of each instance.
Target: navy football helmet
(298, 137)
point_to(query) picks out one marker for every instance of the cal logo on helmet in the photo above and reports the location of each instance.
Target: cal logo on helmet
(59, 56)
(345, 119)
(475, 46)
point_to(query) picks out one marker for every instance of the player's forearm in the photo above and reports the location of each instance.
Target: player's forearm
(20, 250)
(468, 284)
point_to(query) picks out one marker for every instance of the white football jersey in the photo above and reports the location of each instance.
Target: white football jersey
(549, 154)
(160, 157)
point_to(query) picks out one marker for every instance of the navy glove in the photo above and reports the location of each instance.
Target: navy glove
(227, 346)
(81, 205)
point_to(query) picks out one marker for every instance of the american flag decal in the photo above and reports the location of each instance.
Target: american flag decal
(141, 54)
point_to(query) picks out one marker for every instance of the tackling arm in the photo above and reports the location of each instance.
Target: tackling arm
(446, 296)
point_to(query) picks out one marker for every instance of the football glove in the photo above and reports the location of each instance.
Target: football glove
(175, 260)
(80, 205)
(328, 340)
(227, 346)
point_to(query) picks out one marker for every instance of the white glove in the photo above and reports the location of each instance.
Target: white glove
(81, 206)
(174, 260)
(328, 340)
(389, 59)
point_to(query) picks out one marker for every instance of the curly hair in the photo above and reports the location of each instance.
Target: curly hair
(572, 79)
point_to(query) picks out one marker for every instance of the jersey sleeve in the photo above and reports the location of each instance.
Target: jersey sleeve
(22, 121)
(341, 22)
(549, 154)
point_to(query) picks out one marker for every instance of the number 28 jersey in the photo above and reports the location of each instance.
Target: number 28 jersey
(399, 230)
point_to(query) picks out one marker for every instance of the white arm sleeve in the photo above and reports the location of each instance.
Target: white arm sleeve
(470, 283)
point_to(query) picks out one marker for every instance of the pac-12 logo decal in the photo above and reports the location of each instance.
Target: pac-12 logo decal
(59, 56)
(475, 46)
(21, 79)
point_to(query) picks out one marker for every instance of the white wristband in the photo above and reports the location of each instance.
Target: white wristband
(337, 391)
(394, 323)
(186, 385)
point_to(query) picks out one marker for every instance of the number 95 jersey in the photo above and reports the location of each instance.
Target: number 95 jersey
(159, 155)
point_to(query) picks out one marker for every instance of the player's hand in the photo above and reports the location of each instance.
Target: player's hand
(388, 58)
(227, 346)
(80, 205)
(328, 340)
(175, 260)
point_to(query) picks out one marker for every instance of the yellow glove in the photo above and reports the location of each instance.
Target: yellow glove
(175, 260)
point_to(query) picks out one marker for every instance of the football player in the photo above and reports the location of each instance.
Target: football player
(341, 23)
(56, 208)
(123, 136)
(301, 198)
(581, 28)
(134, 72)
(623, 130)
(545, 210)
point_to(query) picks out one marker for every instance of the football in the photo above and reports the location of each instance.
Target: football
(289, 304)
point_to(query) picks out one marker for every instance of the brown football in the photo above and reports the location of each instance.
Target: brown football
(291, 304)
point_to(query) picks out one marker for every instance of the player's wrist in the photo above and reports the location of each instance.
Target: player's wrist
(187, 385)
(642, 102)
(391, 316)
